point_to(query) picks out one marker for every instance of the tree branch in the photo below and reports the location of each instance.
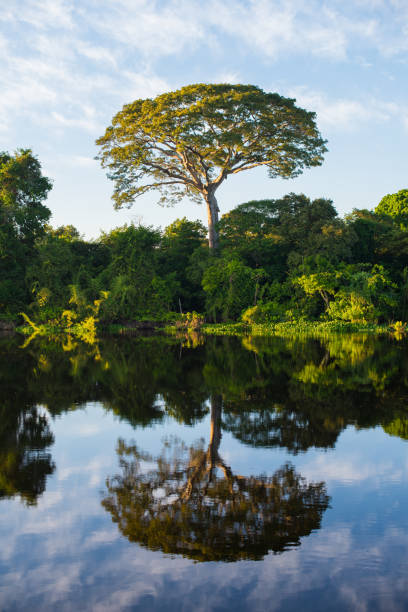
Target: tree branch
(171, 173)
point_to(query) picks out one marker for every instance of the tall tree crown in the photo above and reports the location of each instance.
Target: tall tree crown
(187, 142)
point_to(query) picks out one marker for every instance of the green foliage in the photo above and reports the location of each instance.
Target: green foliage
(22, 191)
(293, 329)
(203, 130)
(280, 261)
(277, 234)
(357, 293)
(69, 233)
(399, 327)
(190, 320)
(371, 232)
(352, 307)
(133, 277)
(323, 282)
(181, 255)
(22, 220)
(368, 295)
(230, 287)
(79, 319)
(185, 143)
(395, 205)
(398, 427)
(265, 312)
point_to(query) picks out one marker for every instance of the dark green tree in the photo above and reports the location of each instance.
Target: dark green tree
(133, 276)
(23, 216)
(23, 189)
(277, 234)
(179, 242)
(230, 286)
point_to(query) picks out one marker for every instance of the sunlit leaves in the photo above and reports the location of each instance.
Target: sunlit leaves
(187, 142)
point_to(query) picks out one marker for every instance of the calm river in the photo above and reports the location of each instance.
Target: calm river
(225, 474)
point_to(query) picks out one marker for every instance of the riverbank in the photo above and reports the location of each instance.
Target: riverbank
(297, 328)
(283, 329)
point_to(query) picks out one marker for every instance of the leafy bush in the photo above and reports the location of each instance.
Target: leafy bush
(264, 313)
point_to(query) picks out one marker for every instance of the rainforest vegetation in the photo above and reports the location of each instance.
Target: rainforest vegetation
(279, 260)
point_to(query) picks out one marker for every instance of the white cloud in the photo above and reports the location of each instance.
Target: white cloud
(103, 536)
(61, 59)
(86, 121)
(281, 28)
(344, 113)
(153, 28)
(96, 468)
(351, 471)
(82, 161)
(96, 53)
(142, 85)
(228, 77)
(274, 27)
(43, 14)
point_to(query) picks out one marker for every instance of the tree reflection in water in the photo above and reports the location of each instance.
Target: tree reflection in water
(188, 501)
(294, 394)
(24, 462)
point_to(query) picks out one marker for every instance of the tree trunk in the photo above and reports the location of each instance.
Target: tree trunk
(210, 459)
(215, 432)
(212, 215)
(324, 295)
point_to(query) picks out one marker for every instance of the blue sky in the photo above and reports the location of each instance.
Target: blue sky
(67, 67)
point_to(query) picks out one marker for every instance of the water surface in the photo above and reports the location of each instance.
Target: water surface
(164, 474)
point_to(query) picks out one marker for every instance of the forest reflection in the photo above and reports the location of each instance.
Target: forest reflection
(275, 392)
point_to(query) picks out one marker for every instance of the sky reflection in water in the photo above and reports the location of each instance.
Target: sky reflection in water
(280, 465)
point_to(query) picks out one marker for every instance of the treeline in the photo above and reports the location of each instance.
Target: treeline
(284, 259)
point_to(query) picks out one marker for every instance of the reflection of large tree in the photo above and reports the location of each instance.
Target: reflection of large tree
(191, 503)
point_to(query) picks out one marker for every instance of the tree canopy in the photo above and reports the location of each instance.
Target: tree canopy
(22, 220)
(395, 205)
(187, 142)
(22, 191)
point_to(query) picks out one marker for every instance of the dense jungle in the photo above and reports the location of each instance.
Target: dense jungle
(291, 260)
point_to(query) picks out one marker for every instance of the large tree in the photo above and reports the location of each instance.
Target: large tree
(187, 142)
